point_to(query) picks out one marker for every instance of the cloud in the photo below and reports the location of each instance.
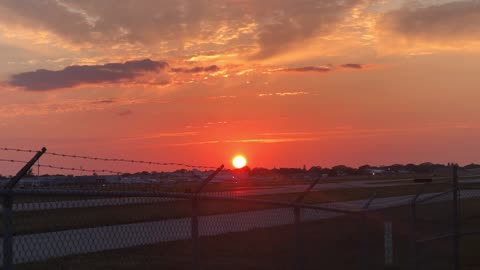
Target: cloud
(125, 113)
(42, 79)
(308, 136)
(42, 107)
(294, 22)
(309, 69)
(267, 27)
(321, 69)
(212, 68)
(161, 135)
(103, 101)
(354, 66)
(449, 22)
(318, 69)
(283, 94)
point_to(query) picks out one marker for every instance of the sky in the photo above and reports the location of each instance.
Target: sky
(285, 83)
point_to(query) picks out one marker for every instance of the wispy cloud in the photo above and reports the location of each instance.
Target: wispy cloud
(193, 143)
(125, 113)
(307, 136)
(212, 68)
(221, 97)
(161, 135)
(67, 106)
(283, 94)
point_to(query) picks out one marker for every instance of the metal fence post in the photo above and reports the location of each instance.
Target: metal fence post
(413, 236)
(455, 219)
(7, 232)
(299, 257)
(7, 214)
(194, 221)
(366, 242)
(299, 263)
(413, 230)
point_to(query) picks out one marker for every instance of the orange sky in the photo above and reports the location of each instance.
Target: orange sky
(285, 83)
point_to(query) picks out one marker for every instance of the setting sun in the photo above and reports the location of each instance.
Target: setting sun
(239, 161)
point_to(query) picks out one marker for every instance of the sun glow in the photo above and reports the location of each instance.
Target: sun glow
(239, 161)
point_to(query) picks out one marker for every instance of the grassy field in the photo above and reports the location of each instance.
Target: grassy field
(336, 243)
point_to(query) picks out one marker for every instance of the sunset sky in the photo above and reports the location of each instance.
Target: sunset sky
(283, 82)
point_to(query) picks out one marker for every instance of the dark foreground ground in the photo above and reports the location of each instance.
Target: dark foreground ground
(345, 242)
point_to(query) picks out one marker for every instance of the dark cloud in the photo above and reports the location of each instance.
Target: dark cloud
(297, 21)
(354, 66)
(279, 24)
(104, 101)
(43, 79)
(320, 69)
(125, 113)
(212, 68)
(449, 22)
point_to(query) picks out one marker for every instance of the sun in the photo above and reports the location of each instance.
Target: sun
(239, 161)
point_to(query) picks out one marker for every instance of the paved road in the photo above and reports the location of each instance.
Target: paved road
(41, 246)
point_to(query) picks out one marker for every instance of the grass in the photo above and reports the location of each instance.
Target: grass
(328, 244)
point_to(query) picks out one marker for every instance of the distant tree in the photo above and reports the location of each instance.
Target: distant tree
(315, 170)
(396, 167)
(472, 166)
(244, 169)
(341, 170)
(364, 170)
(180, 171)
(29, 173)
(145, 173)
(261, 172)
(425, 167)
(290, 171)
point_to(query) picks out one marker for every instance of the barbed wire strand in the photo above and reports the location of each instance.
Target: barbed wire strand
(64, 168)
(110, 159)
(81, 169)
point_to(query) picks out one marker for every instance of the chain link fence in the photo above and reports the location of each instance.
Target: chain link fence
(147, 230)
(101, 222)
(174, 231)
(445, 226)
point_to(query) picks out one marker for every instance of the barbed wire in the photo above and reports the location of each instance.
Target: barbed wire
(13, 161)
(17, 150)
(64, 168)
(81, 169)
(110, 159)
